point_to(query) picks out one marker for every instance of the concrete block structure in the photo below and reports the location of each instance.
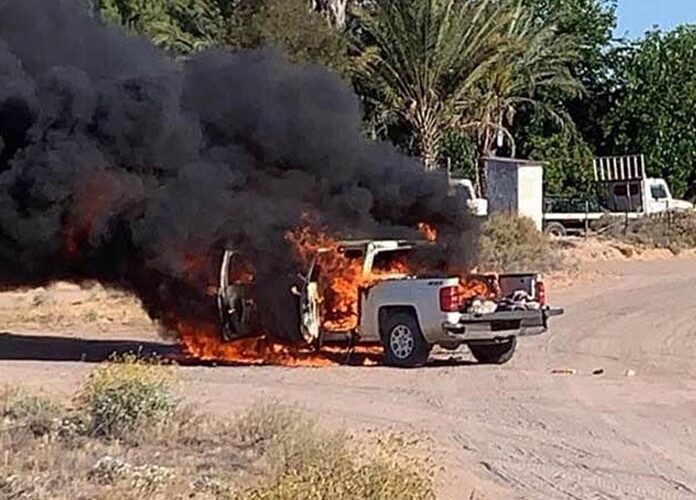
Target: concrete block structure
(516, 186)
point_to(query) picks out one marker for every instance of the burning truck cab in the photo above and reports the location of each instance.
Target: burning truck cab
(368, 291)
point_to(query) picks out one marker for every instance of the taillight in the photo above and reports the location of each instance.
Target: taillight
(449, 299)
(540, 292)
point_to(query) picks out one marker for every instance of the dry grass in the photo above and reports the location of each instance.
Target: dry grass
(51, 451)
(65, 306)
(675, 231)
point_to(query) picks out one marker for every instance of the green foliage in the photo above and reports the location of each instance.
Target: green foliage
(568, 146)
(21, 410)
(186, 26)
(428, 58)
(542, 76)
(591, 24)
(535, 61)
(444, 65)
(568, 169)
(123, 396)
(654, 106)
(178, 26)
(460, 150)
(290, 26)
(509, 243)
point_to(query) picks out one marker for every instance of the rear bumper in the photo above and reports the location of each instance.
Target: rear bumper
(497, 325)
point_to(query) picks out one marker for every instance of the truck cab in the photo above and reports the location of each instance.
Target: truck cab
(477, 206)
(659, 198)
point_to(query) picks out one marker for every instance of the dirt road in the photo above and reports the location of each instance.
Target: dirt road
(516, 431)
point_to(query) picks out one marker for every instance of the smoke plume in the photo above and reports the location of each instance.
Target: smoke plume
(121, 165)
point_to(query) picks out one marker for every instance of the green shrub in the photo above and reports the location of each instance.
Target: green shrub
(509, 243)
(308, 463)
(19, 410)
(124, 395)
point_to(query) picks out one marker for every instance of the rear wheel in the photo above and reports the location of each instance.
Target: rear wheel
(494, 353)
(556, 229)
(403, 341)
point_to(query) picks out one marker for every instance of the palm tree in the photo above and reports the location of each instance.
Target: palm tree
(467, 65)
(430, 56)
(535, 61)
(178, 26)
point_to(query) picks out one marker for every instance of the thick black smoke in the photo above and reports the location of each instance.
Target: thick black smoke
(121, 165)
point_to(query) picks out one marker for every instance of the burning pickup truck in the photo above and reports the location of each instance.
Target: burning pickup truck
(362, 291)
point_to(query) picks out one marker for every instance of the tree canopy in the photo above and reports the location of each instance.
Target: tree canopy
(462, 79)
(654, 105)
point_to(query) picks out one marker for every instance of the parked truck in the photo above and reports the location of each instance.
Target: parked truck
(623, 190)
(408, 315)
(465, 188)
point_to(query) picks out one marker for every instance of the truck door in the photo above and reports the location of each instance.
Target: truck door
(310, 317)
(235, 307)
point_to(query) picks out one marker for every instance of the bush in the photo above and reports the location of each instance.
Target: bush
(268, 453)
(308, 463)
(675, 231)
(124, 395)
(509, 243)
(19, 410)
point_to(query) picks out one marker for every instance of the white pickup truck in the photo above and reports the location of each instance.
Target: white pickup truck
(623, 190)
(465, 188)
(408, 315)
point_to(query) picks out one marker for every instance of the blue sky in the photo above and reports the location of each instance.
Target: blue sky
(637, 16)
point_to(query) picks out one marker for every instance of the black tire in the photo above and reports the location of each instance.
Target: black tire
(235, 314)
(494, 353)
(403, 341)
(556, 229)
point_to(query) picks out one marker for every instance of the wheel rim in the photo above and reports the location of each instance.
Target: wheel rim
(556, 232)
(401, 341)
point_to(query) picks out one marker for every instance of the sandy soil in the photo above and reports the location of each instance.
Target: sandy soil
(518, 431)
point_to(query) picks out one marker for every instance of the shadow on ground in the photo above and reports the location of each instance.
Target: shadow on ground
(16, 347)
(51, 348)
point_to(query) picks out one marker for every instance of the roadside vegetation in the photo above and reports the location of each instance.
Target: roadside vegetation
(675, 231)
(508, 243)
(127, 436)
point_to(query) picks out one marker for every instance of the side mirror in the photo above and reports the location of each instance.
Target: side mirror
(295, 291)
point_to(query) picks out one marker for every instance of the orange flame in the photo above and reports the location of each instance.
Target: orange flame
(340, 278)
(478, 286)
(203, 342)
